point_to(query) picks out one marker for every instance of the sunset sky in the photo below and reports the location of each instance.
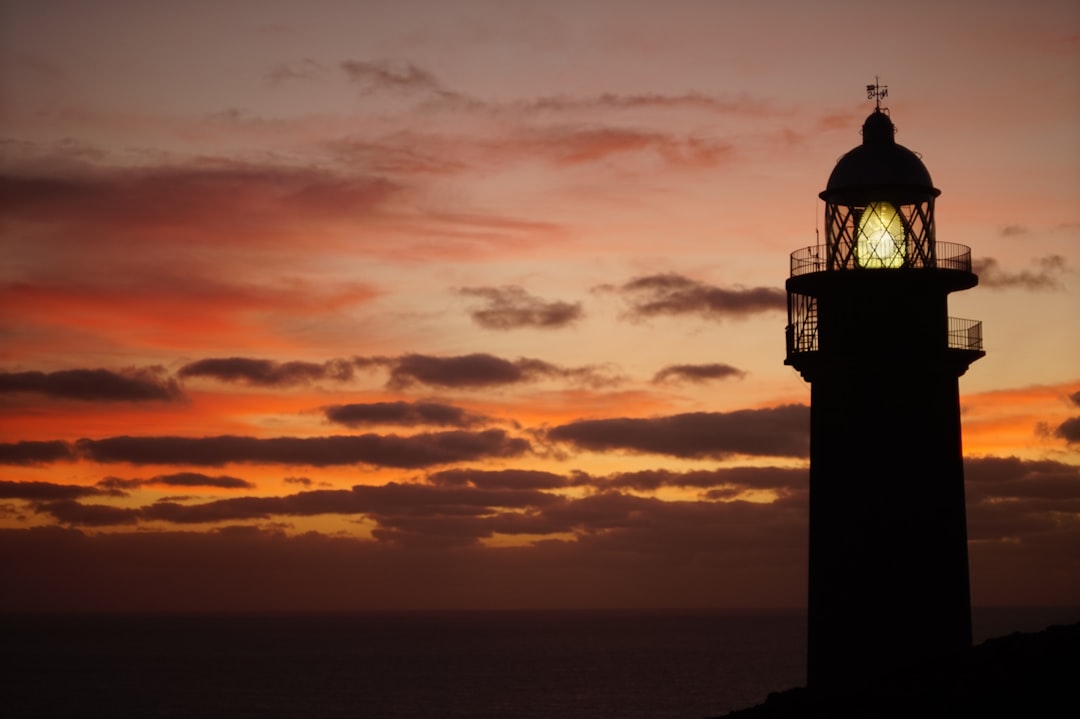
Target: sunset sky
(419, 304)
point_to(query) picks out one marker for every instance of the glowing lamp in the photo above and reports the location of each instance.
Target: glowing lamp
(881, 237)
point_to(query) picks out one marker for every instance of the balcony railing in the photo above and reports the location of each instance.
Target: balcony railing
(965, 334)
(945, 256)
(802, 333)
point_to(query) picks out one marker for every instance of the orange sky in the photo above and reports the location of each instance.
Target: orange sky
(480, 304)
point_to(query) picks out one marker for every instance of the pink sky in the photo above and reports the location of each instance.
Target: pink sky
(480, 304)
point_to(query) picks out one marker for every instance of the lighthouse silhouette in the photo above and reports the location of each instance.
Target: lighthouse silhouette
(869, 328)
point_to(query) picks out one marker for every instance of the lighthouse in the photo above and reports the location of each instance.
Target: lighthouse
(869, 329)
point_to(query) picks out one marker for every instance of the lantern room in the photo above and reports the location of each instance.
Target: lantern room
(879, 204)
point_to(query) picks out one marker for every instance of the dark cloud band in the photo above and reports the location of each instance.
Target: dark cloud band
(421, 450)
(132, 385)
(780, 432)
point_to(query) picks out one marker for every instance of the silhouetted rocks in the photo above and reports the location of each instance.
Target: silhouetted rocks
(1019, 675)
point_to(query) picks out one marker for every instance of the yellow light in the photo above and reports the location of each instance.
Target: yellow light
(881, 237)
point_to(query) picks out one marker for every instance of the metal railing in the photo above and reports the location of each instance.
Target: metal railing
(802, 334)
(965, 334)
(944, 256)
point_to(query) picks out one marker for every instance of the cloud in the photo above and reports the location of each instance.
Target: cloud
(697, 373)
(302, 481)
(616, 101)
(481, 370)
(1069, 430)
(405, 152)
(606, 548)
(384, 503)
(996, 479)
(512, 308)
(128, 385)
(267, 373)
(34, 452)
(164, 241)
(178, 479)
(419, 450)
(164, 306)
(1047, 277)
(407, 414)
(218, 196)
(582, 145)
(565, 145)
(71, 512)
(723, 483)
(1006, 497)
(45, 491)
(1022, 516)
(474, 370)
(672, 294)
(779, 431)
(377, 75)
(644, 566)
(305, 69)
(499, 479)
(1013, 231)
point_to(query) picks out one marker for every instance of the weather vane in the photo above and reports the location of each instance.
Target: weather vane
(877, 92)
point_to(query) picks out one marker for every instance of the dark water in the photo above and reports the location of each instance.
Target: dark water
(463, 664)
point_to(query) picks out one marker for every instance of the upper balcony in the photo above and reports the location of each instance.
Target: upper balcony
(942, 256)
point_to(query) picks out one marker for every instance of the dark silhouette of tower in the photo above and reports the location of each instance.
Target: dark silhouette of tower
(868, 327)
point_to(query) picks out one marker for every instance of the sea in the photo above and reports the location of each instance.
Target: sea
(628, 664)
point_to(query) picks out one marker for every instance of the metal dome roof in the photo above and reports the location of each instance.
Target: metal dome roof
(879, 163)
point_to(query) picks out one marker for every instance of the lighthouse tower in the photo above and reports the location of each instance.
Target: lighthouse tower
(869, 328)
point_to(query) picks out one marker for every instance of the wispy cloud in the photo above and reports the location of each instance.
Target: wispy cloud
(633, 101)
(1047, 277)
(304, 69)
(376, 75)
(576, 145)
(213, 194)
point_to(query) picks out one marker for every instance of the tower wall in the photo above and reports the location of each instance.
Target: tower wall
(888, 546)
(888, 542)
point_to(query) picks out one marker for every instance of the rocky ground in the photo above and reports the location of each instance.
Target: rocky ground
(1019, 675)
